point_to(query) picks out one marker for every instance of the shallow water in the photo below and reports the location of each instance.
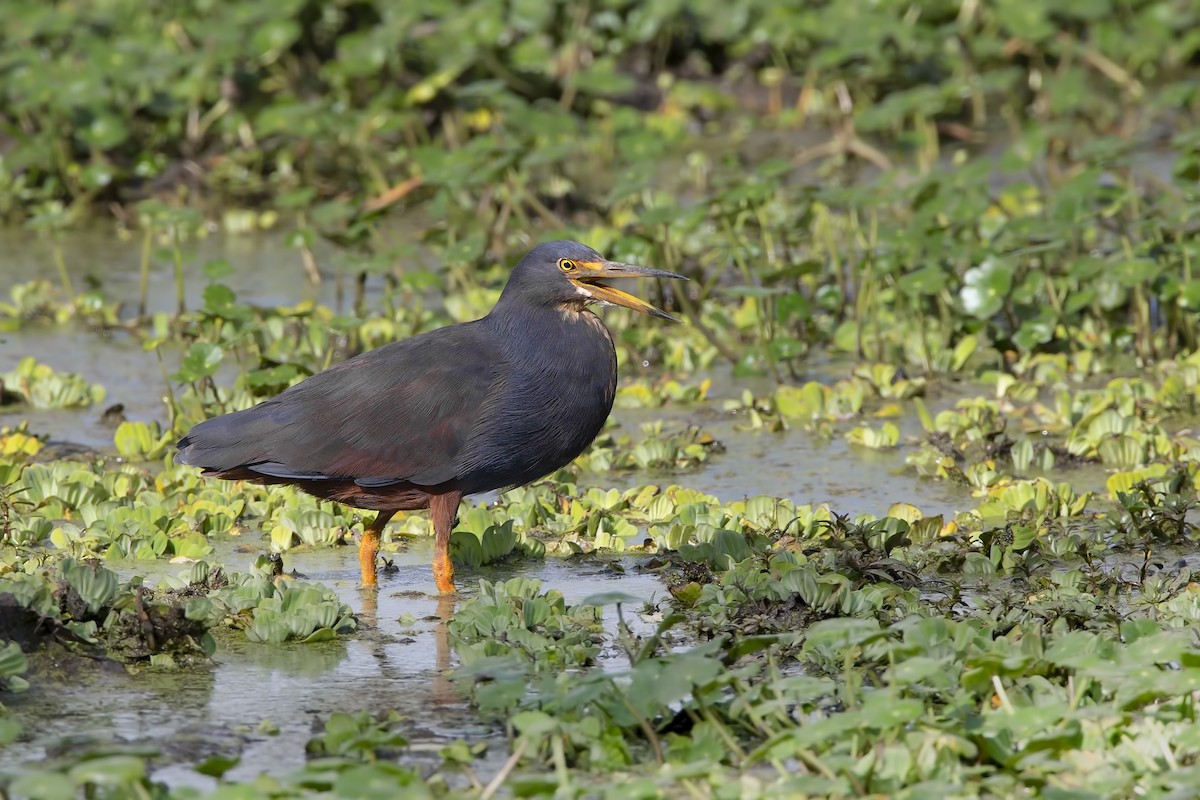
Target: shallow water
(262, 701)
(267, 270)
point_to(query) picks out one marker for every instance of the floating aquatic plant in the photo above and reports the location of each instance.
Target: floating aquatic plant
(41, 387)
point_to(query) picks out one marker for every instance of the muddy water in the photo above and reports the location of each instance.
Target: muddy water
(267, 270)
(261, 702)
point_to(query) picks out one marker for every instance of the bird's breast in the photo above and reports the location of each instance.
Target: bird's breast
(556, 393)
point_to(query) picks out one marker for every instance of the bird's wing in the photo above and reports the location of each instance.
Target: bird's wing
(400, 413)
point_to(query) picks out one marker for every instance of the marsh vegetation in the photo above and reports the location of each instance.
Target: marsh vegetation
(907, 507)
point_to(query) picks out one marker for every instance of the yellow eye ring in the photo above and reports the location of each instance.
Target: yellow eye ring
(566, 264)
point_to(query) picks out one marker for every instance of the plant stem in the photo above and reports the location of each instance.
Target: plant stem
(180, 304)
(63, 276)
(144, 280)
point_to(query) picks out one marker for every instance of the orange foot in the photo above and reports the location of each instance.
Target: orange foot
(443, 573)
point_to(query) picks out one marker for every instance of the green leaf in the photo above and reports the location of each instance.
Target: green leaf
(534, 723)
(141, 441)
(43, 786)
(985, 287)
(217, 766)
(111, 771)
(201, 361)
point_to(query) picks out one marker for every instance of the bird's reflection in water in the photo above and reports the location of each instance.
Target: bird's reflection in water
(442, 691)
(441, 688)
(368, 613)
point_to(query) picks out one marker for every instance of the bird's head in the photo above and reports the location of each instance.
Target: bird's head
(571, 275)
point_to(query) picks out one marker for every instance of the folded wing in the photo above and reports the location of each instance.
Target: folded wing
(399, 414)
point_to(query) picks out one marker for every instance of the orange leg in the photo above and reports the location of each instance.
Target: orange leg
(442, 508)
(368, 548)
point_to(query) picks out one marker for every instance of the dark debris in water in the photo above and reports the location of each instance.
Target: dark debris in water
(132, 630)
(22, 625)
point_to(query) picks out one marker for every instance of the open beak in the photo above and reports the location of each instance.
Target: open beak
(592, 274)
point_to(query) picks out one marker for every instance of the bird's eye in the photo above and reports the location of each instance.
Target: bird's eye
(566, 264)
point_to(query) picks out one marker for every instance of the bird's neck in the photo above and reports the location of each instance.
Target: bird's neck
(528, 321)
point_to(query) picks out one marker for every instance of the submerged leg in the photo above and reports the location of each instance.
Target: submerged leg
(443, 508)
(368, 548)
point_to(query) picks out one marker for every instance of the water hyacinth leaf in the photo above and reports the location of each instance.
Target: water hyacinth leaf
(772, 513)
(1123, 452)
(200, 608)
(141, 441)
(10, 729)
(324, 615)
(962, 352)
(851, 267)
(721, 549)
(843, 633)
(1022, 454)
(96, 585)
(15, 443)
(657, 683)
(65, 537)
(13, 664)
(887, 435)
(1036, 331)
(793, 307)
(749, 645)
(41, 387)
(534, 612)
(201, 361)
(1023, 536)
(466, 549)
(985, 287)
(267, 629)
(105, 132)
(220, 301)
(44, 786)
(192, 546)
(217, 766)
(273, 380)
(905, 511)
(1189, 295)
(498, 541)
(803, 402)
(916, 670)
(198, 572)
(380, 781)
(208, 644)
(882, 711)
(152, 548)
(282, 537)
(926, 529)
(1135, 271)
(475, 520)
(163, 661)
(273, 36)
(534, 723)
(1123, 482)
(1068, 735)
(113, 771)
(928, 280)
